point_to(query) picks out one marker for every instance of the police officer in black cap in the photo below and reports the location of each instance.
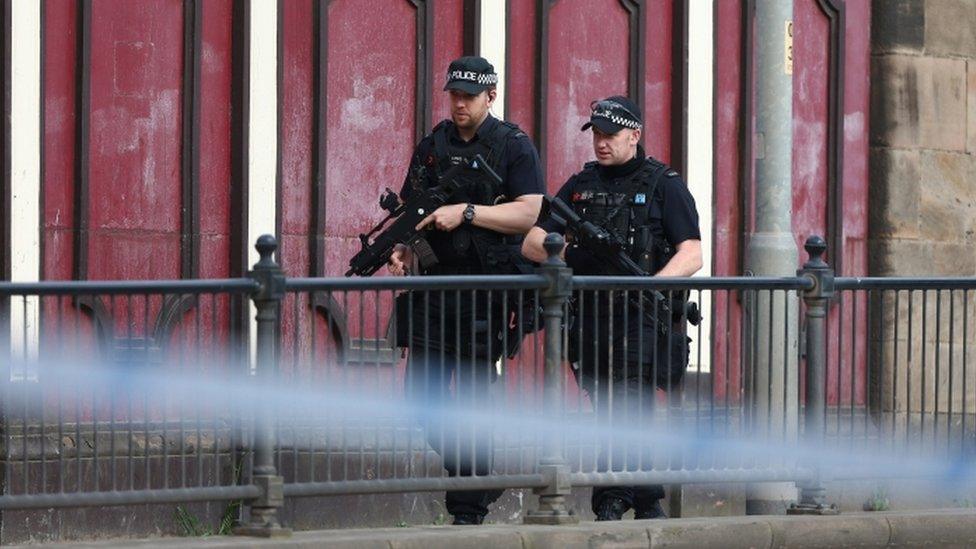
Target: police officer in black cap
(623, 348)
(457, 336)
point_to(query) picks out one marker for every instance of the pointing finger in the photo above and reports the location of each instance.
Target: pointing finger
(426, 221)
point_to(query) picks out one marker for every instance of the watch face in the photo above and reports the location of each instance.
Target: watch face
(469, 213)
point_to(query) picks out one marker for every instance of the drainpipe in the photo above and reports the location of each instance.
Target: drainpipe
(771, 338)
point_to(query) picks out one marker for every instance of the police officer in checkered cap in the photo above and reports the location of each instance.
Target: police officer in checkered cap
(454, 338)
(621, 348)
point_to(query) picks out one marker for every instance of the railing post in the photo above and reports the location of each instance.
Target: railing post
(263, 519)
(813, 492)
(552, 497)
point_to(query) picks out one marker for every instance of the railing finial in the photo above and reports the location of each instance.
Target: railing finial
(266, 246)
(815, 247)
(553, 245)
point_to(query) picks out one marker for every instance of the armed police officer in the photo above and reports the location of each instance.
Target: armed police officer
(623, 347)
(452, 334)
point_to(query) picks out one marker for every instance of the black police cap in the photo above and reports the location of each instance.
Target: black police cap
(613, 114)
(471, 74)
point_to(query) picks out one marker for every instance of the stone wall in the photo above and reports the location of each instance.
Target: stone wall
(923, 206)
(923, 138)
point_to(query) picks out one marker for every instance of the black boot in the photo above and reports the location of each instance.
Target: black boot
(468, 518)
(611, 509)
(653, 512)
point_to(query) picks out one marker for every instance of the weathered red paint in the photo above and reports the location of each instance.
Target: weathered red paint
(215, 139)
(521, 64)
(658, 82)
(855, 188)
(448, 44)
(846, 368)
(135, 139)
(810, 73)
(296, 95)
(371, 123)
(370, 135)
(60, 118)
(726, 207)
(810, 106)
(588, 60)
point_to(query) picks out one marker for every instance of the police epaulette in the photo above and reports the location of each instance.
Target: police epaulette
(515, 130)
(442, 124)
(655, 163)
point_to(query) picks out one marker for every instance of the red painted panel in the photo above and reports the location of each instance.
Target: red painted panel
(296, 125)
(60, 72)
(448, 40)
(811, 64)
(372, 72)
(809, 171)
(135, 137)
(728, 121)
(657, 81)
(856, 100)
(372, 67)
(846, 368)
(215, 114)
(588, 60)
(521, 65)
(855, 177)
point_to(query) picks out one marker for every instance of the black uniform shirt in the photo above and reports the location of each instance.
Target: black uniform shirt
(521, 173)
(626, 344)
(672, 202)
(442, 320)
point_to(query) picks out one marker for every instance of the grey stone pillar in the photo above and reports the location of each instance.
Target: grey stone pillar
(771, 251)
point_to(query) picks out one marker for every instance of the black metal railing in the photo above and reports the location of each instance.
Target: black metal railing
(119, 393)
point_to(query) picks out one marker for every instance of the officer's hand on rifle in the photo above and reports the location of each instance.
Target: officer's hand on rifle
(446, 218)
(400, 260)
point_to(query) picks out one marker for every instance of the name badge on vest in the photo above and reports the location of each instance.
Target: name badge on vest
(640, 199)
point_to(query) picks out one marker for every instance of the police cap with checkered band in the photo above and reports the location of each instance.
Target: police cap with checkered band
(613, 114)
(471, 74)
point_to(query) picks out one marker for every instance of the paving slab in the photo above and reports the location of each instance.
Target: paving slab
(937, 528)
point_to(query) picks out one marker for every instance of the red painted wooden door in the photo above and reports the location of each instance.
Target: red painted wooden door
(830, 101)
(564, 54)
(357, 92)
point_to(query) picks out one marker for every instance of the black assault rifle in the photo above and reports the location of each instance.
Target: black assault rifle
(610, 249)
(407, 215)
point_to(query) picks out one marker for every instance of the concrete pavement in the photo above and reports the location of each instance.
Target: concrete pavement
(937, 528)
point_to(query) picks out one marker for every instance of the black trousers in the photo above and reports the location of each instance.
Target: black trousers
(465, 446)
(622, 360)
(624, 405)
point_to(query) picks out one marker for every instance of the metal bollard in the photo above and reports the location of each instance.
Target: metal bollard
(813, 492)
(263, 519)
(552, 497)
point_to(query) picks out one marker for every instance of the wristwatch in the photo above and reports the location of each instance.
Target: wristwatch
(468, 214)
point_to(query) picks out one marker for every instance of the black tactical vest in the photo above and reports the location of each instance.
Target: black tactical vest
(622, 206)
(467, 248)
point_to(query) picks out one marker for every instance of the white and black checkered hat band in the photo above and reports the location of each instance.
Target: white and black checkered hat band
(616, 119)
(471, 76)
